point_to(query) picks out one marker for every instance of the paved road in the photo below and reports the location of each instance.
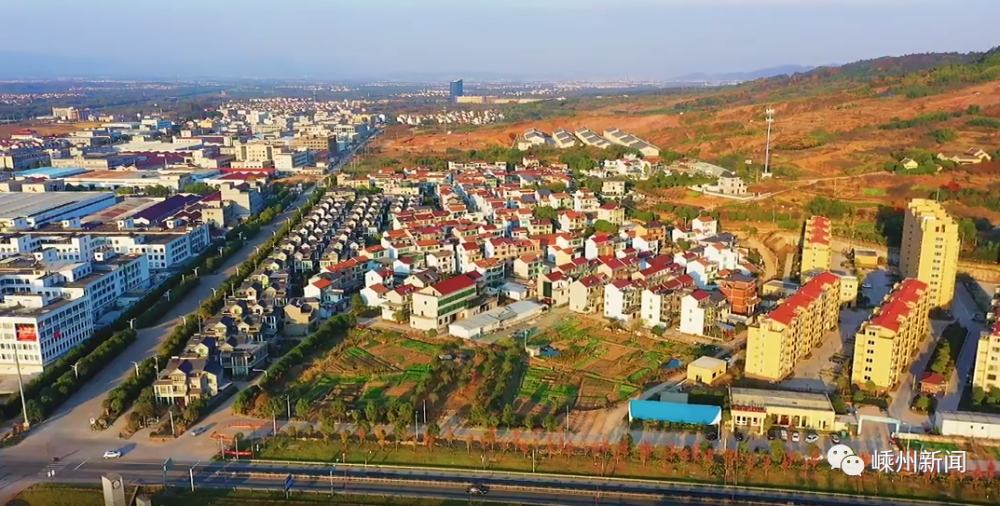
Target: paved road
(68, 434)
(448, 484)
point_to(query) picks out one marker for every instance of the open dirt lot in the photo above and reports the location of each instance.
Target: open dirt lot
(830, 133)
(46, 129)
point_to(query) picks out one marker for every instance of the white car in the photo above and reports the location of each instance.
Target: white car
(812, 438)
(795, 437)
(112, 454)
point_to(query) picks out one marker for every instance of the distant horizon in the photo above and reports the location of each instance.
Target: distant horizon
(447, 39)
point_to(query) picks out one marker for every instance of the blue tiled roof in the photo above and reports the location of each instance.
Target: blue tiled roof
(675, 412)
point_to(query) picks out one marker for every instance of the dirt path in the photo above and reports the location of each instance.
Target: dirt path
(770, 260)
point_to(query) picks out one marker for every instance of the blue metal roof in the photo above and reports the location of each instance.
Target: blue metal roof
(674, 412)
(51, 172)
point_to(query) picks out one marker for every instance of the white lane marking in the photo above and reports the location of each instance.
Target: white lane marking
(81, 465)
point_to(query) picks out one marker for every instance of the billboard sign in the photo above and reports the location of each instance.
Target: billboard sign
(26, 332)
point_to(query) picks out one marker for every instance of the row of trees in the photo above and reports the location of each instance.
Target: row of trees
(256, 398)
(124, 394)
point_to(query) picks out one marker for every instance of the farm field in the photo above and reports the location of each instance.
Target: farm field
(369, 365)
(593, 368)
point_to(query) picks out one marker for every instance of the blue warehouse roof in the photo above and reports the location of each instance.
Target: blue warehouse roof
(674, 412)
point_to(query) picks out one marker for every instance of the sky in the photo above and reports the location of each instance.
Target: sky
(554, 39)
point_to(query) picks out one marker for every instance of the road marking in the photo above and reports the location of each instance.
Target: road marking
(81, 465)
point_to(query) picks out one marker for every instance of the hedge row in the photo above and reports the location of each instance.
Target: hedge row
(122, 396)
(332, 329)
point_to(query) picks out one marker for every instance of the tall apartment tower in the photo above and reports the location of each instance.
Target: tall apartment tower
(455, 90)
(930, 249)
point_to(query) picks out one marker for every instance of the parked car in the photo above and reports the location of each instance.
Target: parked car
(711, 436)
(812, 438)
(795, 437)
(739, 437)
(112, 454)
(835, 439)
(784, 435)
(771, 435)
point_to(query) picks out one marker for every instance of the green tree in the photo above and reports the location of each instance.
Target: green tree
(508, 418)
(606, 227)
(338, 408)
(550, 423)
(545, 213)
(158, 190)
(529, 421)
(200, 189)
(302, 409)
(372, 412)
(777, 451)
(978, 396)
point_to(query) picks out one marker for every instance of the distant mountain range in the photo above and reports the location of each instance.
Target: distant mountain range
(783, 70)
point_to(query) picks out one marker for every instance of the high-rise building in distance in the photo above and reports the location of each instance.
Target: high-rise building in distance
(930, 249)
(455, 90)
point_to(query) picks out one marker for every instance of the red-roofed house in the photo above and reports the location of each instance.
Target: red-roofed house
(586, 295)
(886, 345)
(700, 310)
(553, 288)
(438, 305)
(398, 303)
(612, 213)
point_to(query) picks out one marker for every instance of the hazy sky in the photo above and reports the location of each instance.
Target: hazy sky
(521, 38)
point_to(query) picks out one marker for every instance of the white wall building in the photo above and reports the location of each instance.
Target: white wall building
(693, 313)
(39, 329)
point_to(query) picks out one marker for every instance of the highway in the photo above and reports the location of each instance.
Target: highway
(375, 480)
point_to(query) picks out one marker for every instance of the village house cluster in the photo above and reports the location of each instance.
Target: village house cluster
(235, 343)
(469, 236)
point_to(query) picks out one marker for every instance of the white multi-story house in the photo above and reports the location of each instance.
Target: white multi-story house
(622, 300)
(693, 312)
(584, 201)
(705, 226)
(703, 271)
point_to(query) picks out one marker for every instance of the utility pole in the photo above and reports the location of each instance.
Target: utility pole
(172, 431)
(769, 117)
(288, 404)
(191, 474)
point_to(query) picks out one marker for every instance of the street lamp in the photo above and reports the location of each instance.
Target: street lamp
(131, 323)
(136, 364)
(76, 370)
(221, 249)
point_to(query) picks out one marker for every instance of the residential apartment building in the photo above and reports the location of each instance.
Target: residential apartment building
(622, 299)
(987, 366)
(887, 344)
(930, 249)
(438, 305)
(816, 252)
(783, 337)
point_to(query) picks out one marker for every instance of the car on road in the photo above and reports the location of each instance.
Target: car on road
(739, 437)
(867, 286)
(771, 436)
(812, 438)
(198, 431)
(477, 490)
(835, 439)
(112, 454)
(795, 437)
(711, 436)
